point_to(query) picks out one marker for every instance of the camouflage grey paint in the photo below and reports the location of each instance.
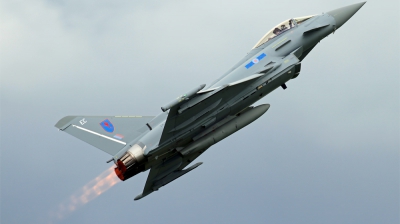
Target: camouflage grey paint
(190, 125)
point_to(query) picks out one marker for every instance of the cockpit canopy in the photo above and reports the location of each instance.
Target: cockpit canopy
(281, 28)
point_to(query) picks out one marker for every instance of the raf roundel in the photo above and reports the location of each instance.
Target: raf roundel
(255, 60)
(107, 125)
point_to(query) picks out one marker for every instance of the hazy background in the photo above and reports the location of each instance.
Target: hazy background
(327, 151)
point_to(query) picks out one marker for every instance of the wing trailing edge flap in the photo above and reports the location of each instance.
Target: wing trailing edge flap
(107, 133)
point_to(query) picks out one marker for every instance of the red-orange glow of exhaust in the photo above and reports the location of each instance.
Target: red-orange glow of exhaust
(90, 191)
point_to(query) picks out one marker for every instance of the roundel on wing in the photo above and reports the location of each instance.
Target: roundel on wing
(107, 125)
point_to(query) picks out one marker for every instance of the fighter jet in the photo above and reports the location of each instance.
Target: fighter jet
(167, 143)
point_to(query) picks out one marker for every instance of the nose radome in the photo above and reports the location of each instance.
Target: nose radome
(341, 15)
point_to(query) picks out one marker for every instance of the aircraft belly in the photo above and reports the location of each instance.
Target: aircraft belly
(245, 101)
(237, 104)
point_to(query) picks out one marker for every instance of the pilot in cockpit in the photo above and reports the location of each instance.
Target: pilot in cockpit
(290, 24)
(282, 28)
(277, 31)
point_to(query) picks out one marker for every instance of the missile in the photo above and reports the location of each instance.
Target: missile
(225, 130)
(182, 98)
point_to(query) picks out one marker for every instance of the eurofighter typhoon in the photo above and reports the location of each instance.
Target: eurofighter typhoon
(192, 123)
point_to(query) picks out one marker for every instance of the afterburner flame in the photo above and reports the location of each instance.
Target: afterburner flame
(88, 192)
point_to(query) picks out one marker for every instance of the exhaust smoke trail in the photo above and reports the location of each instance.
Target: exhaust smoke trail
(90, 191)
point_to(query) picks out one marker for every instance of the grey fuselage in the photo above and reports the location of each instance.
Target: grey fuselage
(262, 70)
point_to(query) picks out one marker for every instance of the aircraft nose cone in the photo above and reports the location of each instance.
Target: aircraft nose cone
(341, 15)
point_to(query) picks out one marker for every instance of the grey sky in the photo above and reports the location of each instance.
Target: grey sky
(327, 151)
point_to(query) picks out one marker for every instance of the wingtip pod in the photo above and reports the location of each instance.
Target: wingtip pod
(342, 15)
